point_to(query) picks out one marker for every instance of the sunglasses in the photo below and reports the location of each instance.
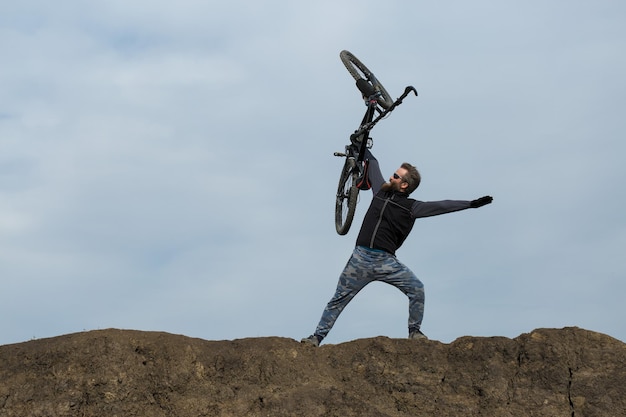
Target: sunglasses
(397, 177)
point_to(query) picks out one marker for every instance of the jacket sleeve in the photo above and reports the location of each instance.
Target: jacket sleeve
(435, 208)
(375, 176)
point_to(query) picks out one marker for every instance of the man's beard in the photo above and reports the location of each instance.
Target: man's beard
(388, 186)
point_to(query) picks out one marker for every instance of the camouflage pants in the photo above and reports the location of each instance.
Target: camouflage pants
(365, 266)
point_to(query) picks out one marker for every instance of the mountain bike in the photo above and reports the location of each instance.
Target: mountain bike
(353, 175)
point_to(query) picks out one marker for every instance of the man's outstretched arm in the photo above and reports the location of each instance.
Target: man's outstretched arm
(435, 208)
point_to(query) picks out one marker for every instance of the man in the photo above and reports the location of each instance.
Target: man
(386, 225)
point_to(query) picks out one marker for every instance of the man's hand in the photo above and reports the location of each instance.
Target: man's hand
(481, 201)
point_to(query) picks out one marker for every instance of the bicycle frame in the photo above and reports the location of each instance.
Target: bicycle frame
(354, 167)
(361, 137)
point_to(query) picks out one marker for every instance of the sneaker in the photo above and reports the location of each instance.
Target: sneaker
(417, 334)
(311, 341)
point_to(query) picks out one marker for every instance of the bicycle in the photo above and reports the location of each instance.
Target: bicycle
(353, 175)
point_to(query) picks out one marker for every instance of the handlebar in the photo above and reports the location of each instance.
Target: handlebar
(407, 90)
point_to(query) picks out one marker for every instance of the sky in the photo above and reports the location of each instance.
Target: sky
(168, 166)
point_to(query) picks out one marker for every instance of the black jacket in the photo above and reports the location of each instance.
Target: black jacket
(391, 215)
(387, 222)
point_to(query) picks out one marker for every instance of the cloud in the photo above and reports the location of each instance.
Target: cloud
(170, 168)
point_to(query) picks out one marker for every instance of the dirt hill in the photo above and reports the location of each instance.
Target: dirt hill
(548, 372)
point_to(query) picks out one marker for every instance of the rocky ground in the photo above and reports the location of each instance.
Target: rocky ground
(548, 372)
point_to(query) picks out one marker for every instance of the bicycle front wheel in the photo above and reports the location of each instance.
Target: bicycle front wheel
(359, 71)
(347, 193)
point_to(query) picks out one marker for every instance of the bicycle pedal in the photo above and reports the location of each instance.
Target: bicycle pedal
(339, 154)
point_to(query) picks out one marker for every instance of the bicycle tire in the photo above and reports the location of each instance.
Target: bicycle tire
(347, 194)
(358, 70)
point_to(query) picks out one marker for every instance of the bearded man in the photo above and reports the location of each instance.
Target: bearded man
(386, 225)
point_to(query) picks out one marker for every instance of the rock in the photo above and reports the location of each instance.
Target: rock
(548, 372)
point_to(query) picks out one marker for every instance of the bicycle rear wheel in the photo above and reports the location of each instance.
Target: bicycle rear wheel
(359, 71)
(347, 193)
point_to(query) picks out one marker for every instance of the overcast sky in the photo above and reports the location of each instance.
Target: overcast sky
(167, 166)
